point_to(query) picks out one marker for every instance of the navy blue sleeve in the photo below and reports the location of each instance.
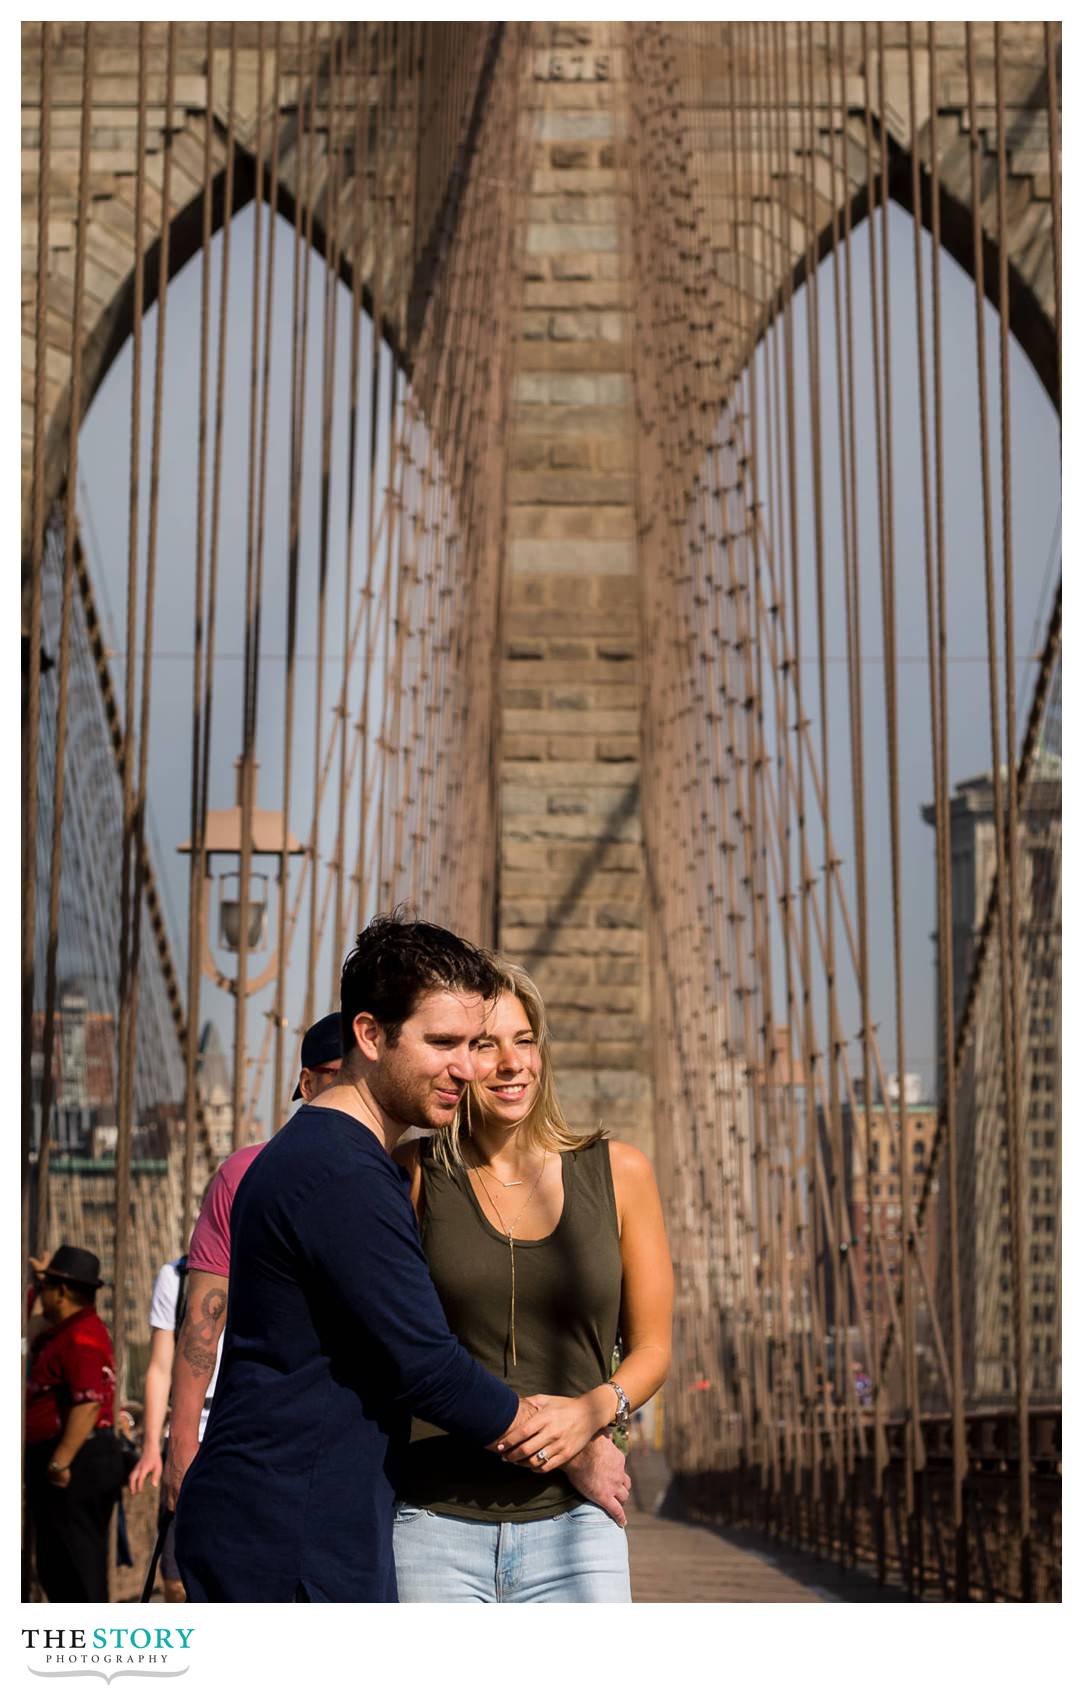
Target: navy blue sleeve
(361, 1234)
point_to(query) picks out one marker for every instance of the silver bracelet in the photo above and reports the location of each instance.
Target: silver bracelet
(623, 1405)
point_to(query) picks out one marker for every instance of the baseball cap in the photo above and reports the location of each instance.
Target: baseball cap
(321, 1044)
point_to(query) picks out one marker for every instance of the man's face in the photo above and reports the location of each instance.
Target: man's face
(420, 1080)
(52, 1298)
(316, 1080)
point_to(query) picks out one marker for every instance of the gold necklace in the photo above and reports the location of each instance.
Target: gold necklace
(494, 1176)
(510, 1231)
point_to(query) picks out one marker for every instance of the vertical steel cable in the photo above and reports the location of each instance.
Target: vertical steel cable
(799, 727)
(740, 825)
(857, 760)
(360, 97)
(736, 531)
(944, 881)
(246, 769)
(125, 1067)
(365, 858)
(747, 818)
(848, 545)
(1013, 1034)
(801, 1203)
(834, 1114)
(1003, 917)
(64, 661)
(298, 346)
(201, 665)
(330, 330)
(881, 367)
(219, 412)
(945, 955)
(32, 707)
(760, 55)
(915, 1461)
(394, 623)
(261, 505)
(138, 851)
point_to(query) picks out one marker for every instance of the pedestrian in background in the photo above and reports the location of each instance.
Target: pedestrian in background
(167, 1306)
(75, 1462)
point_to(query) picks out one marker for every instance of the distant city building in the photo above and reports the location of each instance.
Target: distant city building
(83, 1072)
(911, 1090)
(985, 1240)
(875, 1199)
(216, 1090)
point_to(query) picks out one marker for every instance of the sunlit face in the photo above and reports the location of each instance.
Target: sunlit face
(508, 1063)
(420, 1079)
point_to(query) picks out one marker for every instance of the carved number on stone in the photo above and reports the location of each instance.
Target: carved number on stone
(576, 68)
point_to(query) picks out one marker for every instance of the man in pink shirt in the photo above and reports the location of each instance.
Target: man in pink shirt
(196, 1356)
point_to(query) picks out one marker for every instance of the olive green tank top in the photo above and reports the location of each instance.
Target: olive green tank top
(567, 1312)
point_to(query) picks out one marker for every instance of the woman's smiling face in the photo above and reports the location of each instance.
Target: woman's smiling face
(507, 1063)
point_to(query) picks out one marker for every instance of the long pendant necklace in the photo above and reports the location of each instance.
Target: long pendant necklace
(510, 1231)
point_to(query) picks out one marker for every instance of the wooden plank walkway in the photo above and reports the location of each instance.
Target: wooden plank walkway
(676, 1562)
(682, 1563)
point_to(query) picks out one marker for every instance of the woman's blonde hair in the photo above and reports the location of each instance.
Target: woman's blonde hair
(544, 1125)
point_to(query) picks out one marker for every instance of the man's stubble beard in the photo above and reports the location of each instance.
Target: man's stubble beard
(405, 1098)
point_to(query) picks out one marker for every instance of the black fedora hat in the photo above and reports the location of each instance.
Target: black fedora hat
(321, 1044)
(73, 1263)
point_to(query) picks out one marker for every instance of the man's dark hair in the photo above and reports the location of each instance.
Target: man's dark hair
(85, 1295)
(396, 961)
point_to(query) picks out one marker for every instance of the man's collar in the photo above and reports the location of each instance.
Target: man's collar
(74, 1316)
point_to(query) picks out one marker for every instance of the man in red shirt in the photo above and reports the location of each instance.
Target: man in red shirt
(74, 1465)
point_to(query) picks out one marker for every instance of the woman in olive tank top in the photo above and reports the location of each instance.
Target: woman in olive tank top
(545, 1247)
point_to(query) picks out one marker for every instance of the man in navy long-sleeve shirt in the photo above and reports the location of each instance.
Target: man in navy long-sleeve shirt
(335, 1333)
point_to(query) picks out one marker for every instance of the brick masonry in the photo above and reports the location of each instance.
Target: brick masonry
(573, 313)
(571, 878)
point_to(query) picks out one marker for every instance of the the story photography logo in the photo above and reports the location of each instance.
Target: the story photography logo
(107, 1650)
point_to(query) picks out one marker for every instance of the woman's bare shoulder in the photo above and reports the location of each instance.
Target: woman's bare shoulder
(629, 1162)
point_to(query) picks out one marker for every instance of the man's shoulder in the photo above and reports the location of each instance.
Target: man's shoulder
(238, 1163)
(325, 1131)
(90, 1330)
(317, 1149)
(167, 1281)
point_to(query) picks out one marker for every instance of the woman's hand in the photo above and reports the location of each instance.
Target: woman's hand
(149, 1468)
(560, 1428)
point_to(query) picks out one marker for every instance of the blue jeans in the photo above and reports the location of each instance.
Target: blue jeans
(577, 1556)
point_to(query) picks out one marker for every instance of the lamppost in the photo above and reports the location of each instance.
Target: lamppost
(223, 836)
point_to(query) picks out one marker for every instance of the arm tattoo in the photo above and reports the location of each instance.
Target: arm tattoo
(199, 1336)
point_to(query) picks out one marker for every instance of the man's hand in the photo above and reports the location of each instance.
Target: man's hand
(59, 1475)
(599, 1474)
(523, 1421)
(149, 1468)
(178, 1458)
